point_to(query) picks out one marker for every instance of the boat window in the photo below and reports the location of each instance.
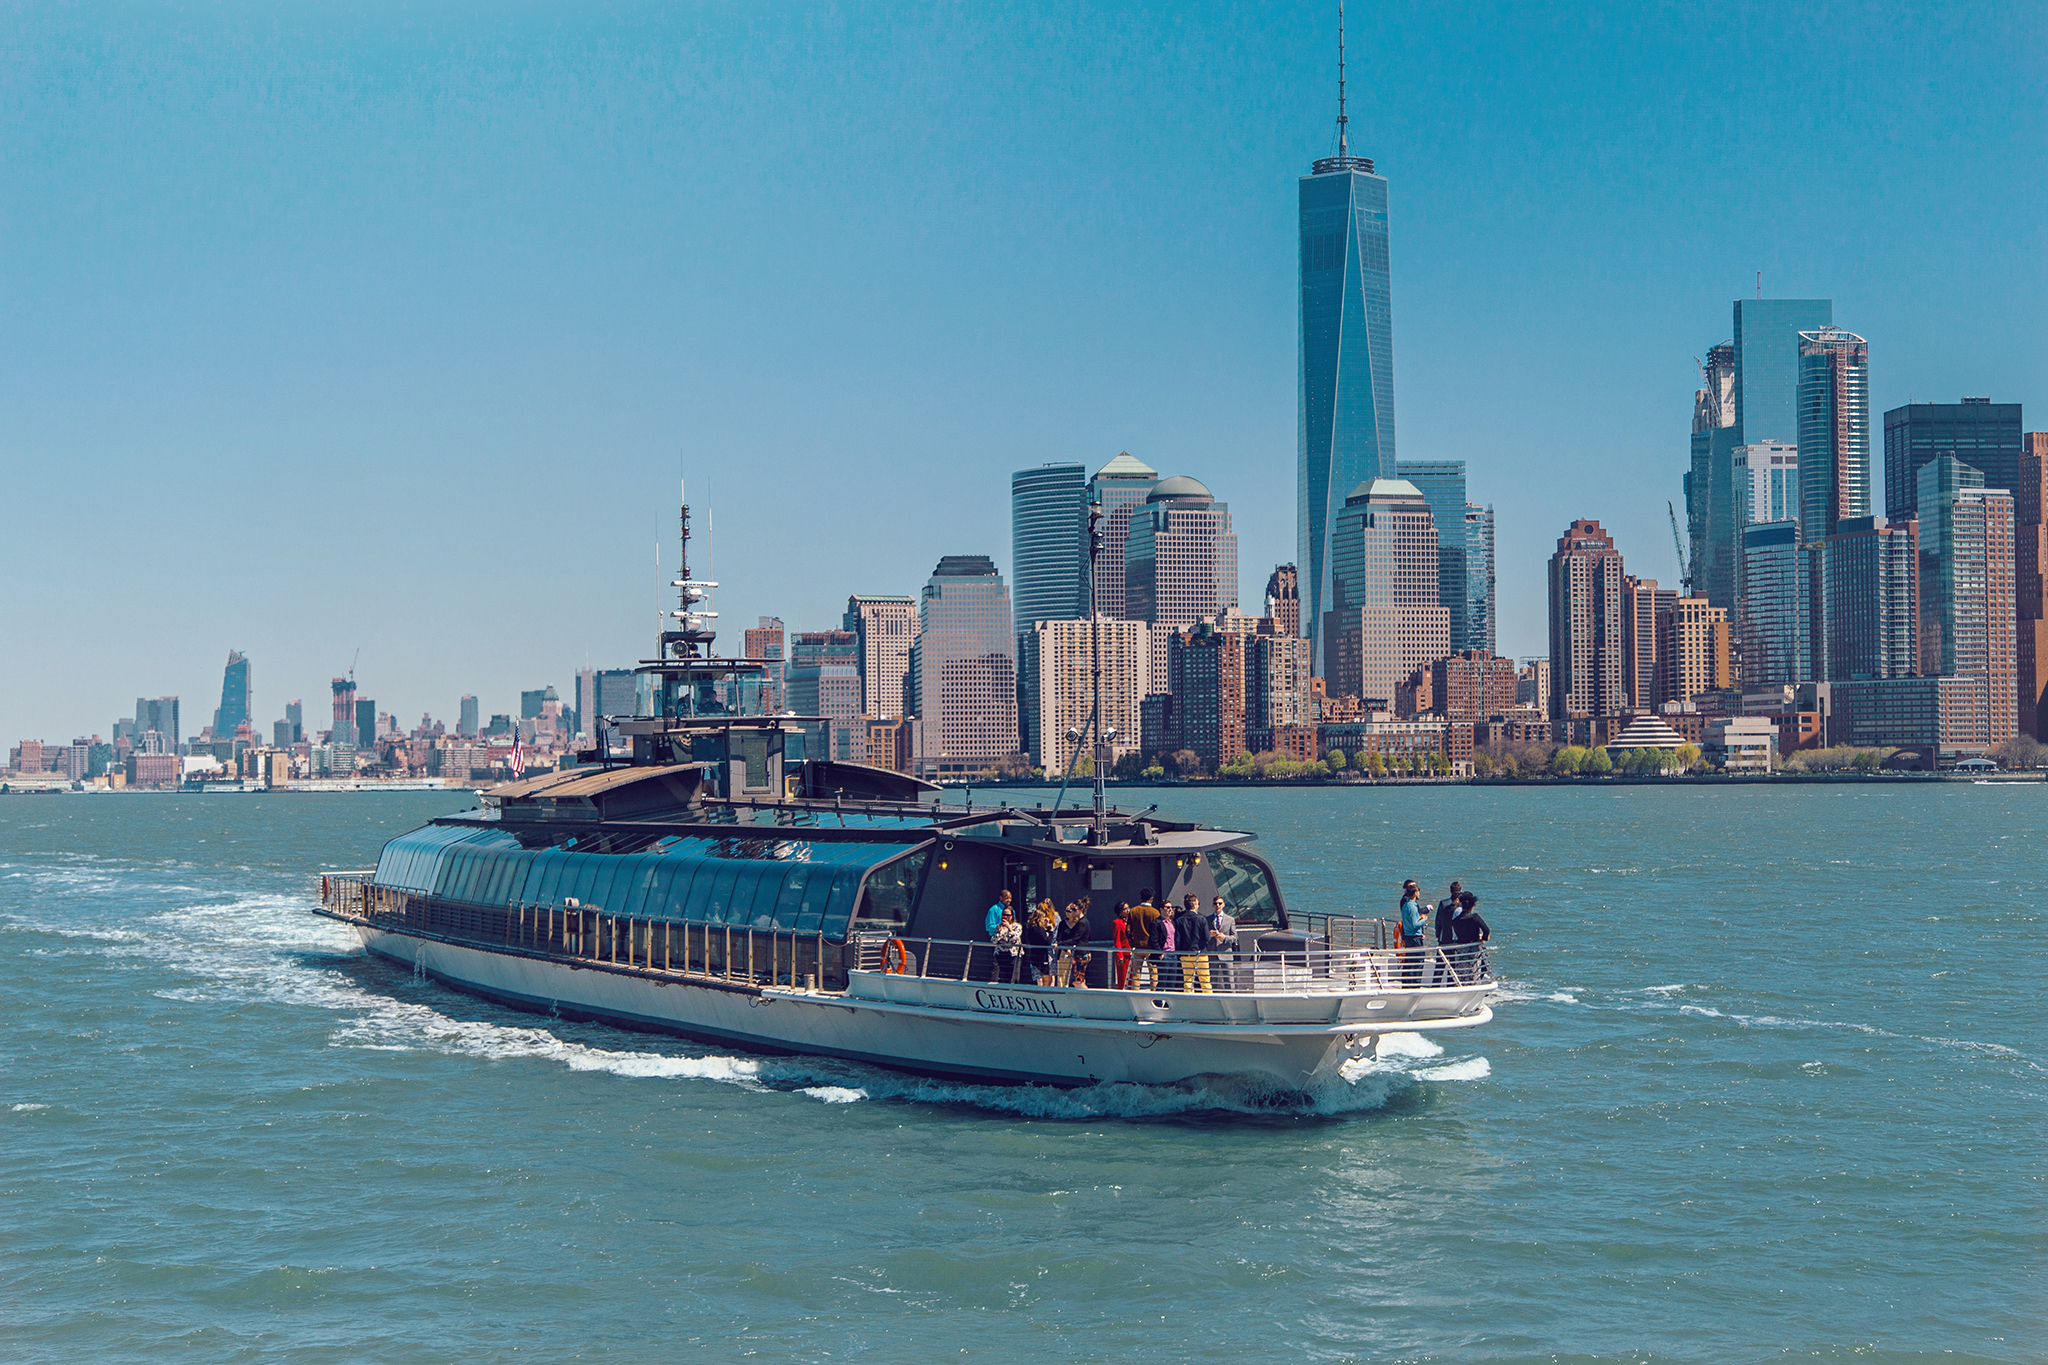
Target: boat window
(1245, 883)
(550, 866)
(886, 898)
(754, 746)
(681, 890)
(719, 901)
(602, 894)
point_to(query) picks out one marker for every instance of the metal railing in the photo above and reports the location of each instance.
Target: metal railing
(1358, 958)
(1221, 970)
(589, 934)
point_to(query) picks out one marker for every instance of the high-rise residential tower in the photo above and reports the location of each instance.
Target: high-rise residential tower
(1967, 606)
(2030, 582)
(1869, 593)
(1345, 360)
(1834, 430)
(1588, 629)
(966, 669)
(884, 629)
(1479, 583)
(1772, 626)
(1120, 486)
(1055, 663)
(1386, 618)
(234, 697)
(1982, 434)
(1049, 543)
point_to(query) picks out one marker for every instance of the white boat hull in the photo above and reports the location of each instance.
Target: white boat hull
(963, 1028)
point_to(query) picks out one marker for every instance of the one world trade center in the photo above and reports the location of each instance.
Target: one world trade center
(1345, 424)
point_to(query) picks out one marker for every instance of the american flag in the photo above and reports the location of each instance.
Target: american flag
(518, 758)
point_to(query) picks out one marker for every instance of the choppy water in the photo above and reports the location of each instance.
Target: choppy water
(1768, 1084)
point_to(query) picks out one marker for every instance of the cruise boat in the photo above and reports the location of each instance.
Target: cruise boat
(725, 884)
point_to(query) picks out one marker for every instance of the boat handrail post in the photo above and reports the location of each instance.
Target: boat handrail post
(725, 959)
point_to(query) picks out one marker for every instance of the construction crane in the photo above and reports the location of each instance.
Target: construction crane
(1678, 547)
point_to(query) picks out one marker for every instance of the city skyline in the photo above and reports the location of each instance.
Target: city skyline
(1585, 296)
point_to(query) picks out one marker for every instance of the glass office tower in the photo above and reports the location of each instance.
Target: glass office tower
(234, 697)
(1049, 543)
(1834, 430)
(1345, 430)
(1982, 434)
(1443, 487)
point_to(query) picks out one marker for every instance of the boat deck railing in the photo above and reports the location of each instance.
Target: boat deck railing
(1243, 968)
(1347, 955)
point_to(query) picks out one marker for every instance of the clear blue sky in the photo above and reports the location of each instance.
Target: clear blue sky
(389, 327)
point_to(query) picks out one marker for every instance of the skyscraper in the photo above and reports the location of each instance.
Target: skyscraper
(1345, 360)
(1967, 606)
(1386, 618)
(1748, 395)
(884, 628)
(2030, 591)
(1479, 584)
(366, 723)
(1120, 486)
(1701, 655)
(1443, 487)
(1869, 595)
(234, 697)
(1588, 671)
(466, 709)
(1049, 543)
(1982, 434)
(1773, 625)
(344, 711)
(1056, 665)
(1651, 650)
(1180, 556)
(967, 669)
(1283, 599)
(1834, 430)
(295, 716)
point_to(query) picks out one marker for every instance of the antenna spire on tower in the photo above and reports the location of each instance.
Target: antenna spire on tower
(1343, 120)
(1343, 160)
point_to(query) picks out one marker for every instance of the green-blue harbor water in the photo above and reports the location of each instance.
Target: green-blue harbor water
(1767, 1084)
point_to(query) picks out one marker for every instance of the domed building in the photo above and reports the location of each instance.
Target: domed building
(1180, 555)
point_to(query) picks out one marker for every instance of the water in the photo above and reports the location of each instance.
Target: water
(1768, 1084)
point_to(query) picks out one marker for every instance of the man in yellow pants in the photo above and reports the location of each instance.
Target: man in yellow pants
(1191, 931)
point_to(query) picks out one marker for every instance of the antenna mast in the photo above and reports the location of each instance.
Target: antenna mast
(1343, 120)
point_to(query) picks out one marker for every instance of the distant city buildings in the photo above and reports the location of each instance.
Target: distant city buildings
(1978, 432)
(1120, 487)
(233, 712)
(1056, 686)
(1387, 616)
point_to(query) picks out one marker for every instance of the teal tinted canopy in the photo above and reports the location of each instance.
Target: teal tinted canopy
(744, 881)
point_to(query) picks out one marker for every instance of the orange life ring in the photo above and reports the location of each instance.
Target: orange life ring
(902, 957)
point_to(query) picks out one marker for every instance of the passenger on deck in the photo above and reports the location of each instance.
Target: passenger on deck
(1191, 931)
(1222, 927)
(1041, 926)
(1165, 970)
(1070, 968)
(1008, 938)
(1446, 911)
(1120, 940)
(1414, 920)
(1145, 940)
(1471, 932)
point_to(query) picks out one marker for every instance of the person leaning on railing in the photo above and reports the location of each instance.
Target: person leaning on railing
(1471, 934)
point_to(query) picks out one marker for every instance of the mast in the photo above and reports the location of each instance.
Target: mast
(1343, 121)
(1100, 824)
(689, 642)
